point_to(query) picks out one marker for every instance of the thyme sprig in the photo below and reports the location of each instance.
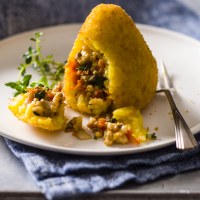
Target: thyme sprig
(51, 72)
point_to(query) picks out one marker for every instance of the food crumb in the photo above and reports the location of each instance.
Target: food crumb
(156, 129)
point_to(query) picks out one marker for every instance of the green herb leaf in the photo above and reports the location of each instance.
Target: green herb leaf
(40, 94)
(33, 39)
(17, 93)
(85, 67)
(45, 81)
(26, 80)
(151, 136)
(113, 120)
(98, 81)
(47, 67)
(38, 34)
(81, 68)
(11, 84)
(36, 113)
(22, 69)
(28, 60)
(50, 70)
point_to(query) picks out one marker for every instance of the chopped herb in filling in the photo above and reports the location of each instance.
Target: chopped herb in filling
(91, 73)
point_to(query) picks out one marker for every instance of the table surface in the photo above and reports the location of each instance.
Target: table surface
(16, 183)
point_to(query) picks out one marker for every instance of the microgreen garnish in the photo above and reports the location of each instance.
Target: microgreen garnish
(51, 72)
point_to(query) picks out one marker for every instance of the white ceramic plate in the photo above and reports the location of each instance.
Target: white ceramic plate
(182, 58)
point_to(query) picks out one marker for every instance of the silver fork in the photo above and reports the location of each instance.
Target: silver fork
(185, 140)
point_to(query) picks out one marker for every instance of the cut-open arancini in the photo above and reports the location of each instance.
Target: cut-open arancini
(40, 108)
(110, 65)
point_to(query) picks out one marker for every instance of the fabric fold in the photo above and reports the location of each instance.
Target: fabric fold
(60, 175)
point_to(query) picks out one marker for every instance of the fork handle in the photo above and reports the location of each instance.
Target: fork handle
(184, 138)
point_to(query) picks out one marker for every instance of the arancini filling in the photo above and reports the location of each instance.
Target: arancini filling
(44, 102)
(112, 131)
(92, 81)
(125, 125)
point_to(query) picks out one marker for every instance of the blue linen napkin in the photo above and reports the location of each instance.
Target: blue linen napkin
(64, 175)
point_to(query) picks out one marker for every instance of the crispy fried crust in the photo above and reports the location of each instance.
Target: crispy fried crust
(24, 113)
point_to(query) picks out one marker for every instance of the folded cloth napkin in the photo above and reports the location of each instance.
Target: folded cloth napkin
(62, 175)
